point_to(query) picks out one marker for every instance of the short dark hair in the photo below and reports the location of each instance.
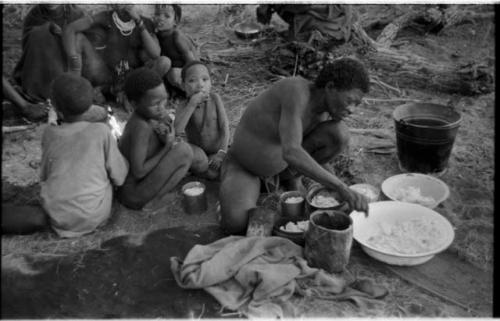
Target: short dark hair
(139, 81)
(72, 95)
(177, 10)
(189, 65)
(345, 73)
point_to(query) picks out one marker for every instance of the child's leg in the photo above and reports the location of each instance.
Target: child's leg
(23, 219)
(174, 77)
(200, 160)
(163, 178)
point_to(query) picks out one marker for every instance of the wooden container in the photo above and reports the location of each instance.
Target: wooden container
(328, 240)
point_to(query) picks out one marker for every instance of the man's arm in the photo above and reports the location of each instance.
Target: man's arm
(149, 41)
(139, 144)
(69, 42)
(291, 135)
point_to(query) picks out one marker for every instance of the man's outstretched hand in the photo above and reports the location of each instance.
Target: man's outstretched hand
(355, 200)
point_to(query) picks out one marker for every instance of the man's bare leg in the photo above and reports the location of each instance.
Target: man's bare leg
(239, 192)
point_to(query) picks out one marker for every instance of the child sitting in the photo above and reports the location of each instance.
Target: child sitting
(175, 45)
(158, 159)
(80, 161)
(205, 120)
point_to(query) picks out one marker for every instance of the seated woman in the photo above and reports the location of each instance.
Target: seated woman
(42, 59)
(330, 20)
(107, 45)
(157, 163)
(175, 45)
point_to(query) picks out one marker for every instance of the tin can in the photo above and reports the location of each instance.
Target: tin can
(292, 205)
(195, 199)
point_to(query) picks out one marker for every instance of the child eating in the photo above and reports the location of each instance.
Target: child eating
(205, 120)
(80, 164)
(175, 45)
(158, 157)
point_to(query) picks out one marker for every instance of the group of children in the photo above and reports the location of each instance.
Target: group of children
(83, 165)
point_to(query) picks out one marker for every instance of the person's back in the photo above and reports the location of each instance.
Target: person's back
(80, 161)
(256, 142)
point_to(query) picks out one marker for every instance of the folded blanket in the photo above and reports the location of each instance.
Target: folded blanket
(257, 275)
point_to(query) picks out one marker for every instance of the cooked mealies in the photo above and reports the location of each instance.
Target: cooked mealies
(298, 227)
(321, 201)
(366, 191)
(412, 194)
(411, 236)
(194, 191)
(294, 200)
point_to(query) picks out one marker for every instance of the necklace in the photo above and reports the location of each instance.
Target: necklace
(126, 28)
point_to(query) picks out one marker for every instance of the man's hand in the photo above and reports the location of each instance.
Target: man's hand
(355, 200)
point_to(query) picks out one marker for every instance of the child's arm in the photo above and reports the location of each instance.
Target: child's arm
(116, 164)
(223, 121)
(183, 44)
(182, 115)
(149, 41)
(139, 165)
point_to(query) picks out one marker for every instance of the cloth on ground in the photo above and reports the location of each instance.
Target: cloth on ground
(258, 275)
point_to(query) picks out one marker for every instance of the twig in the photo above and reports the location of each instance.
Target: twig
(376, 80)
(296, 62)
(225, 80)
(12, 129)
(392, 100)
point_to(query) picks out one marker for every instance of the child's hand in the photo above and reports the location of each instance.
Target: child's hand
(198, 98)
(170, 135)
(355, 200)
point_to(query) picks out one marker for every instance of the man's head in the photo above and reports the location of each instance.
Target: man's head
(71, 95)
(167, 16)
(196, 78)
(145, 91)
(345, 81)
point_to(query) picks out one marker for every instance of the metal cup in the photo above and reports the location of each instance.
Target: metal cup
(195, 197)
(292, 210)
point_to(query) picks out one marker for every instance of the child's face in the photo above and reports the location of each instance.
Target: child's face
(197, 80)
(152, 104)
(165, 18)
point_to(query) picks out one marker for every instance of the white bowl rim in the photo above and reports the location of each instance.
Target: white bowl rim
(443, 247)
(386, 182)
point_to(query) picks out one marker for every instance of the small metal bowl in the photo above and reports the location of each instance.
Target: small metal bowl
(296, 237)
(342, 206)
(247, 30)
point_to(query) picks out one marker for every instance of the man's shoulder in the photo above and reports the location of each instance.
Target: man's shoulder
(292, 86)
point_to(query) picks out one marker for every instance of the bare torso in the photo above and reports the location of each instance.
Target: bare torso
(257, 143)
(203, 128)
